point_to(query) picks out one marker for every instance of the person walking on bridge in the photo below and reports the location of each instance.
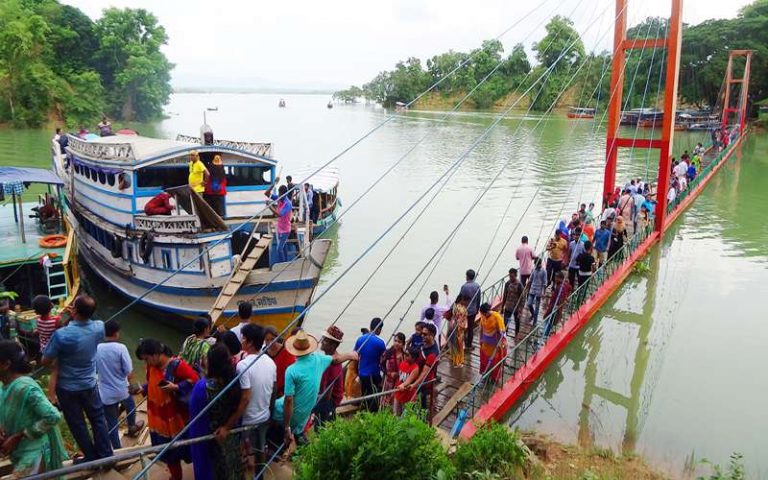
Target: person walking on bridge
(370, 348)
(512, 300)
(492, 341)
(471, 290)
(525, 256)
(536, 287)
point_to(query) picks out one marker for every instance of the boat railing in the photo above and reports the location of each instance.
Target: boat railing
(102, 151)
(169, 224)
(261, 149)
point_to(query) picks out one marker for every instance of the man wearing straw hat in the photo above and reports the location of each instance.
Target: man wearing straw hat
(332, 383)
(302, 383)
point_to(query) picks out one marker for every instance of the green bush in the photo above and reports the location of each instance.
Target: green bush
(493, 449)
(378, 445)
(734, 471)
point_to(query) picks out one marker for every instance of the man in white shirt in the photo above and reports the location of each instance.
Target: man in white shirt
(257, 385)
(244, 311)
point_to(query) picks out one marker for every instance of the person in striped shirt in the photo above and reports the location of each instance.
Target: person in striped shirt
(46, 324)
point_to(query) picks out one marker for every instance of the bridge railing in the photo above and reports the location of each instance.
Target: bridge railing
(548, 323)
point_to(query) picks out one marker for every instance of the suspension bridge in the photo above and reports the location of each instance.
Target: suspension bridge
(465, 399)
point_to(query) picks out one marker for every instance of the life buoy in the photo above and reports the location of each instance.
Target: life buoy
(117, 247)
(53, 241)
(145, 246)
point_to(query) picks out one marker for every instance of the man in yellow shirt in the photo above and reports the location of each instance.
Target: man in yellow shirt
(197, 173)
(556, 249)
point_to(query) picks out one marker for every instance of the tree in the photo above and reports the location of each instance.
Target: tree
(561, 46)
(349, 95)
(135, 73)
(21, 38)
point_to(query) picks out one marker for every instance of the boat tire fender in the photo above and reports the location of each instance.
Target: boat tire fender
(146, 243)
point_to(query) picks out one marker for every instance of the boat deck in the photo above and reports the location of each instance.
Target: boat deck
(12, 250)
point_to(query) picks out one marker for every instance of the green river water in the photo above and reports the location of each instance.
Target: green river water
(667, 369)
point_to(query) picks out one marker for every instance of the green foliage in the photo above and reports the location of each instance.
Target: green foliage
(349, 95)
(735, 470)
(561, 48)
(135, 72)
(378, 445)
(56, 64)
(493, 450)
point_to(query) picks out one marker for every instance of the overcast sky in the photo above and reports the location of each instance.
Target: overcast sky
(302, 43)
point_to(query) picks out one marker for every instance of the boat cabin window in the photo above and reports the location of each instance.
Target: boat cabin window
(237, 176)
(111, 179)
(102, 177)
(167, 262)
(247, 175)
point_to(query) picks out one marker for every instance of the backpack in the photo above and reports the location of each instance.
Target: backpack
(170, 375)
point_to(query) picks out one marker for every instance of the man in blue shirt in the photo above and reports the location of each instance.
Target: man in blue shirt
(602, 237)
(73, 350)
(370, 348)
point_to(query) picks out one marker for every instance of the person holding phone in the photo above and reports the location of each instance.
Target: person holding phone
(169, 384)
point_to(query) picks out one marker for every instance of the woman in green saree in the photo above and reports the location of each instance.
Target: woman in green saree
(29, 431)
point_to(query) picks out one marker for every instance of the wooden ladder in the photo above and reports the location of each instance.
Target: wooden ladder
(238, 276)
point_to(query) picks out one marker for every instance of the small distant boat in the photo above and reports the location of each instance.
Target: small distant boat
(651, 119)
(330, 104)
(281, 103)
(401, 107)
(581, 112)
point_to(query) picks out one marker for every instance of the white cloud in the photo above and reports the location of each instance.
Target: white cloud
(341, 42)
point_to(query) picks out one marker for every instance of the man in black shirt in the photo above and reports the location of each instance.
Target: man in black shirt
(586, 263)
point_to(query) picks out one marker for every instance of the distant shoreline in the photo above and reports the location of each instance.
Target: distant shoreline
(276, 91)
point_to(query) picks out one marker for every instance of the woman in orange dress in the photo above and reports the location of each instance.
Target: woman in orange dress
(169, 383)
(493, 344)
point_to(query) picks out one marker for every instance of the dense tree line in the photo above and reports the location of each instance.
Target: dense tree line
(58, 64)
(571, 76)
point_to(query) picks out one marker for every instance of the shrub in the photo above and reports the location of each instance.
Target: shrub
(493, 449)
(734, 471)
(373, 445)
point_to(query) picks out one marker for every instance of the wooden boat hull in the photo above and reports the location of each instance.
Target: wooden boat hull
(278, 294)
(580, 115)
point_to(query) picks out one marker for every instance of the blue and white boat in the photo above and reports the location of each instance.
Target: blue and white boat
(180, 263)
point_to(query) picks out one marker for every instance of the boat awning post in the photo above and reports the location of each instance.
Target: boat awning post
(21, 221)
(15, 213)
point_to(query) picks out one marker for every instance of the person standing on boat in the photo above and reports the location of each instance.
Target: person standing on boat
(46, 323)
(216, 186)
(471, 290)
(73, 350)
(197, 173)
(370, 348)
(29, 431)
(283, 210)
(309, 206)
(105, 127)
(169, 384)
(113, 362)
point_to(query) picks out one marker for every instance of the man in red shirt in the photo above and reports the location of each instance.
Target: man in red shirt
(332, 383)
(159, 205)
(282, 357)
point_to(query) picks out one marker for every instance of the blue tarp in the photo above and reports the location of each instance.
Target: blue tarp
(28, 175)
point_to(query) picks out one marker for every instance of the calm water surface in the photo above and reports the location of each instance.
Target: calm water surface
(668, 367)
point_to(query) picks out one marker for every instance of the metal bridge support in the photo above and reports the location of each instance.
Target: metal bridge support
(740, 110)
(620, 45)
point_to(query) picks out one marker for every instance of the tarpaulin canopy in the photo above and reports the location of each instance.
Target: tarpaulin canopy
(28, 175)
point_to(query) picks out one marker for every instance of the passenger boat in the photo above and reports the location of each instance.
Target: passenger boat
(326, 202)
(281, 103)
(37, 248)
(580, 112)
(180, 264)
(651, 119)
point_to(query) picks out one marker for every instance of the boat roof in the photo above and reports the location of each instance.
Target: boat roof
(139, 150)
(323, 181)
(29, 175)
(12, 250)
